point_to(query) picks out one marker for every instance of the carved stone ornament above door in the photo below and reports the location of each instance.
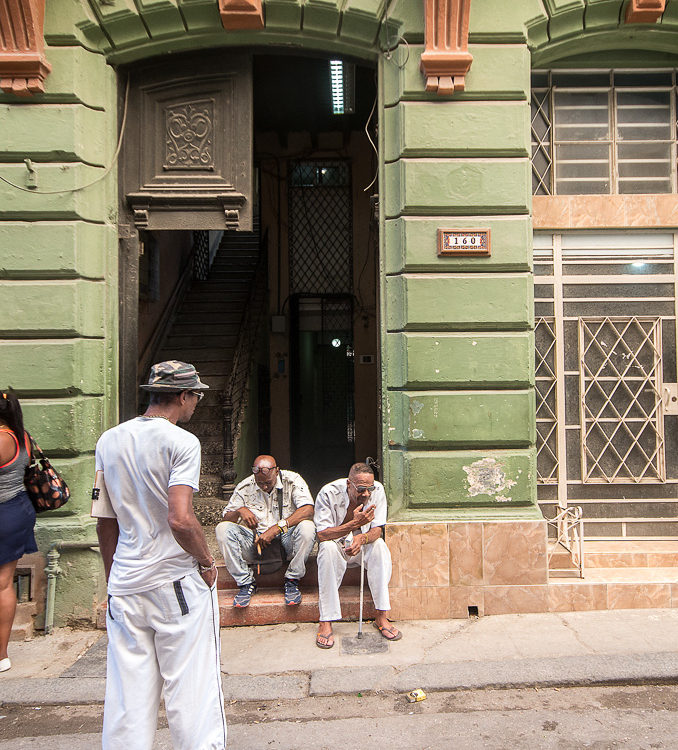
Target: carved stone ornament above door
(188, 155)
(23, 67)
(644, 11)
(241, 14)
(446, 59)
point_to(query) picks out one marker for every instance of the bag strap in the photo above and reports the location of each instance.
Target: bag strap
(35, 451)
(280, 503)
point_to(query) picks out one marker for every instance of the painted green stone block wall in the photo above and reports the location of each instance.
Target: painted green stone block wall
(459, 410)
(58, 283)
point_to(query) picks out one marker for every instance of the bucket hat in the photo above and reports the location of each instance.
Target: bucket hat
(174, 376)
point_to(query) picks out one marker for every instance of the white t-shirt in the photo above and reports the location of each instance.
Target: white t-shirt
(332, 502)
(141, 459)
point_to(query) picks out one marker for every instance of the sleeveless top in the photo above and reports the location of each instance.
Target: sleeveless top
(12, 473)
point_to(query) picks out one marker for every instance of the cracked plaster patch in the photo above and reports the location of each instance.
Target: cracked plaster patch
(417, 434)
(416, 407)
(486, 477)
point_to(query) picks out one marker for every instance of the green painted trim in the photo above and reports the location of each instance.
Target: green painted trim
(529, 513)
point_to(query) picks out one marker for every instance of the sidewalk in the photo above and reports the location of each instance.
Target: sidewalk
(281, 661)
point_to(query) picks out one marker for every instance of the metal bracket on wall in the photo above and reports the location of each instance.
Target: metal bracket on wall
(670, 398)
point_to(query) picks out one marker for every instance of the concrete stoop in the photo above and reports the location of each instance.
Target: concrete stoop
(23, 625)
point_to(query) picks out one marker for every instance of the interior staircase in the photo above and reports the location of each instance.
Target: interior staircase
(205, 333)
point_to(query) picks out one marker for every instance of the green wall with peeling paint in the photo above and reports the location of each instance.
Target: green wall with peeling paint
(457, 361)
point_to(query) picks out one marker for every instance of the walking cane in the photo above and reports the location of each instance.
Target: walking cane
(362, 585)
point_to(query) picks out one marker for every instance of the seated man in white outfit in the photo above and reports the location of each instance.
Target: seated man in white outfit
(349, 517)
(270, 503)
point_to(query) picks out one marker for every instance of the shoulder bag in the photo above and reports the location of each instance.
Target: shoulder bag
(44, 485)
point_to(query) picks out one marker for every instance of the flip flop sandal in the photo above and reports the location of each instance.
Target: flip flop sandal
(397, 633)
(326, 638)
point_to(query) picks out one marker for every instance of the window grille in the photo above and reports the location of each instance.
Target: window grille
(321, 228)
(602, 132)
(605, 348)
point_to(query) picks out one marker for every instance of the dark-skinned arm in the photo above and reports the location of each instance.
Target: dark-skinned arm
(360, 518)
(365, 537)
(300, 514)
(187, 530)
(107, 533)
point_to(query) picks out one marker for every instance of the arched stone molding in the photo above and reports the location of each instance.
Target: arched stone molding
(567, 29)
(131, 31)
(23, 67)
(446, 59)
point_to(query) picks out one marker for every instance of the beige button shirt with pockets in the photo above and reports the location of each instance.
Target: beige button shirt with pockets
(264, 505)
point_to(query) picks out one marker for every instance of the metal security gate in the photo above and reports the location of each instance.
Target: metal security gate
(605, 355)
(322, 420)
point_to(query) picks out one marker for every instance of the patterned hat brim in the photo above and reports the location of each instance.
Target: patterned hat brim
(168, 388)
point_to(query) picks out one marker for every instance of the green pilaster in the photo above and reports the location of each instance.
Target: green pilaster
(59, 278)
(458, 349)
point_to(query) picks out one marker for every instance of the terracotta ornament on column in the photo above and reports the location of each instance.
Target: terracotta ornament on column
(446, 59)
(644, 11)
(241, 14)
(23, 67)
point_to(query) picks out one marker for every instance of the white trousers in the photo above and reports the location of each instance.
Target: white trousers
(332, 564)
(164, 638)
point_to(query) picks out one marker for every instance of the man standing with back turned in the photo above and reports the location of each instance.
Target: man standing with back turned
(163, 616)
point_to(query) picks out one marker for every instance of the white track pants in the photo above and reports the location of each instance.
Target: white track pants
(332, 564)
(164, 638)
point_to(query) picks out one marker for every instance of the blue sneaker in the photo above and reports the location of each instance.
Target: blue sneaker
(244, 595)
(292, 592)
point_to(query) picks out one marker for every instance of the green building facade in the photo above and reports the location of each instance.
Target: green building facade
(455, 333)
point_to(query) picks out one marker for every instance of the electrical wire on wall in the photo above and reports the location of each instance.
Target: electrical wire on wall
(93, 182)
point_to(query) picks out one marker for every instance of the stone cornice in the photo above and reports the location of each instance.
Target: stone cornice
(644, 11)
(446, 59)
(241, 14)
(23, 67)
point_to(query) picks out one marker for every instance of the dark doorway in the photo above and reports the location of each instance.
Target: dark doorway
(322, 420)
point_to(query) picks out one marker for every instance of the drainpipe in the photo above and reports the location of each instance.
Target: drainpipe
(53, 571)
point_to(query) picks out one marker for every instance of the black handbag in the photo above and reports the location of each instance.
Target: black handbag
(44, 485)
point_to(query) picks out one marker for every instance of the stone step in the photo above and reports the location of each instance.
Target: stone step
(198, 356)
(215, 327)
(276, 580)
(23, 625)
(624, 554)
(218, 308)
(268, 607)
(194, 341)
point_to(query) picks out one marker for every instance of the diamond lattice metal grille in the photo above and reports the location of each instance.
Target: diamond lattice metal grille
(620, 386)
(321, 228)
(547, 419)
(542, 160)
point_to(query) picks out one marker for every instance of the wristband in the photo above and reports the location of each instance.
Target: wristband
(205, 568)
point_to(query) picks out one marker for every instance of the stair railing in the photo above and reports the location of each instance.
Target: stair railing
(234, 398)
(569, 526)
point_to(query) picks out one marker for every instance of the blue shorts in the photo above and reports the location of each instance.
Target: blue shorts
(17, 519)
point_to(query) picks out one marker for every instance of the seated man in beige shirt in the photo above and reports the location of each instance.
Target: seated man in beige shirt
(271, 502)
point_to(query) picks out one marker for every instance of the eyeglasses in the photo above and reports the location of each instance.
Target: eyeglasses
(199, 394)
(263, 469)
(359, 488)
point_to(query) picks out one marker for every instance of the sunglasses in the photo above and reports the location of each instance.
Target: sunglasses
(359, 488)
(199, 394)
(263, 469)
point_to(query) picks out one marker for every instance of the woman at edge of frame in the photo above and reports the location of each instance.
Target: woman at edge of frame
(17, 515)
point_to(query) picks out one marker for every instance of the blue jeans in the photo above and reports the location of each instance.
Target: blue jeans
(237, 546)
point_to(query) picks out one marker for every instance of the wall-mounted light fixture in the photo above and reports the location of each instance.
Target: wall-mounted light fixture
(342, 83)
